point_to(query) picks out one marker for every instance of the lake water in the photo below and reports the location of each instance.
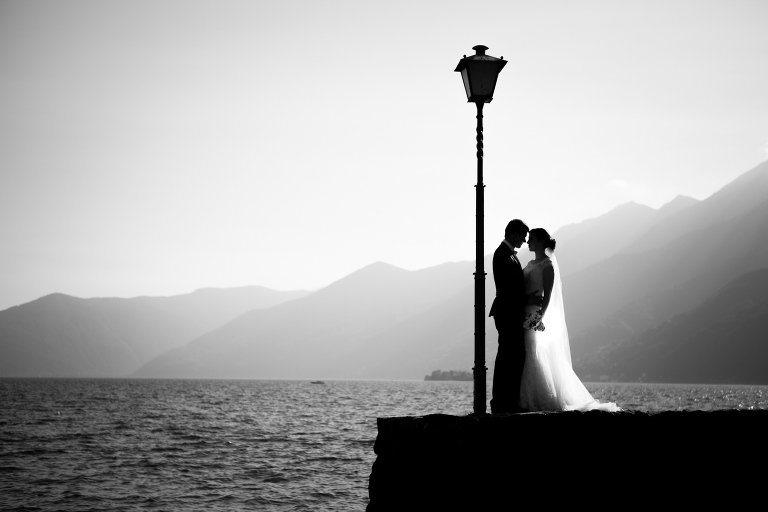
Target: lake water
(183, 445)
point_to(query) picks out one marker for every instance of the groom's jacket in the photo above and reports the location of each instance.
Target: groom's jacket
(510, 285)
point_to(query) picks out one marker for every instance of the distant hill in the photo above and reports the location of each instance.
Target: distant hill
(325, 334)
(706, 246)
(638, 271)
(63, 336)
(736, 200)
(593, 240)
(439, 337)
(384, 322)
(724, 340)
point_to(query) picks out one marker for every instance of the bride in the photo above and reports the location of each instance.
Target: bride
(549, 382)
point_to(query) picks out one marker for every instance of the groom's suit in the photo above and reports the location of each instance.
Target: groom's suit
(508, 313)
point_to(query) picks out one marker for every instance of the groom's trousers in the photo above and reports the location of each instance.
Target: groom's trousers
(508, 369)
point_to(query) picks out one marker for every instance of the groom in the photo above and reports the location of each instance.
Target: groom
(508, 311)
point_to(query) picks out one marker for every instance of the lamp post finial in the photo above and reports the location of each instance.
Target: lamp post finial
(480, 49)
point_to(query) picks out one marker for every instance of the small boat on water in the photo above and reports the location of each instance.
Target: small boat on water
(316, 382)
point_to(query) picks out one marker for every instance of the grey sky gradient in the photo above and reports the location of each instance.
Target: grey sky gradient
(156, 147)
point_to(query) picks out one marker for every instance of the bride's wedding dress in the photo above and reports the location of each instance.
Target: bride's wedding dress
(549, 382)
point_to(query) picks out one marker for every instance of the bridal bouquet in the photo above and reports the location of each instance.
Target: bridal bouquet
(533, 321)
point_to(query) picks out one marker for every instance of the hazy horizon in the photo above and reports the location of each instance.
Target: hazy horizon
(156, 148)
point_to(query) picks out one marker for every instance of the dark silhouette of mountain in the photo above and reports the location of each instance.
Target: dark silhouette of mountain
(737, 200)
(209, 308)
(675, 205)
(325, 334)
(724, 340)
(707, 245)
(385, 322)
(65, 336)
(442, 336)
(593, 240)
(613, 299)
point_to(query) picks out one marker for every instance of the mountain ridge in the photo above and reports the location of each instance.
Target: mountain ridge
(583, 244)
(59, 335)
(640, 269)
(440, 334)
(726, 334)
(322, 324)
(649, 285)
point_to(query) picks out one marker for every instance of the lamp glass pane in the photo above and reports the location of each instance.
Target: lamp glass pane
(465, 78)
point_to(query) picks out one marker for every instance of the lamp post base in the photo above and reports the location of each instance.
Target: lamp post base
(480, 375)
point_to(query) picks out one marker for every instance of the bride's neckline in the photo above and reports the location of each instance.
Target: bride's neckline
(542, 260)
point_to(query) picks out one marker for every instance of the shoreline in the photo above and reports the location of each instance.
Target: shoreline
(309, 379)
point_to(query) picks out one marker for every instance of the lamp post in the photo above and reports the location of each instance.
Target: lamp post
(479, 73)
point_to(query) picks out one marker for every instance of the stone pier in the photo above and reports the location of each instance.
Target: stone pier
(595, 459)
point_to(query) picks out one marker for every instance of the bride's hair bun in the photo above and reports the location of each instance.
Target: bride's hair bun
(543, 235)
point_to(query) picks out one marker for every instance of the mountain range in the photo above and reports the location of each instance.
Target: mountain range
(62, 336)
(674, 294)
(721, 341)
(341, 331)
(672, 268)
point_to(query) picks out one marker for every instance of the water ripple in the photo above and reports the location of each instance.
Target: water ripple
(234, 445)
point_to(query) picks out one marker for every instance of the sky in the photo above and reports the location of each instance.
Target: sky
(158, 147)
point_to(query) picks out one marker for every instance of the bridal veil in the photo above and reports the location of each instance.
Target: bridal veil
(570, 392)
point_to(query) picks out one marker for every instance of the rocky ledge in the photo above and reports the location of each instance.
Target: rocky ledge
(598, 459)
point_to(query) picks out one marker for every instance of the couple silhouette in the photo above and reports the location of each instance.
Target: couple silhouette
(533, 370)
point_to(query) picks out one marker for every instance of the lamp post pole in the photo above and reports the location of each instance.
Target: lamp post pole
(479, 73)
(480, 370)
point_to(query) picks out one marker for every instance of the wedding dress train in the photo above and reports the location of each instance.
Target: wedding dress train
(548, 382)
